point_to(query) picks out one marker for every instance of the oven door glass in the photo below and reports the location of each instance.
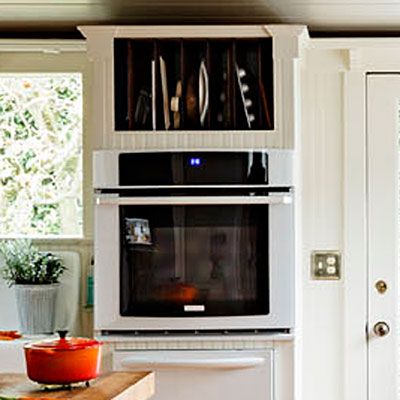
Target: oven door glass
(194, 260)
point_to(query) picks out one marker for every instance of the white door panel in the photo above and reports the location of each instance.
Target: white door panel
(383, 108)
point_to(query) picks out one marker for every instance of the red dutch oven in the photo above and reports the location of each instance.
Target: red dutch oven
(64, 360)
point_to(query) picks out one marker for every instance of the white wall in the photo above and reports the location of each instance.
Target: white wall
(322, 157)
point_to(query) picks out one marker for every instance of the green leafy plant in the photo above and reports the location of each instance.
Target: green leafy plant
(25, 264)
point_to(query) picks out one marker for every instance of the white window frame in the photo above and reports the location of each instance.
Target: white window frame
(57, 56)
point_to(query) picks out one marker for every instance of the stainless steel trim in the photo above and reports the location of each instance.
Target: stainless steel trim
(188, 200)
(194, 307)
(198, 363)
(225, 186)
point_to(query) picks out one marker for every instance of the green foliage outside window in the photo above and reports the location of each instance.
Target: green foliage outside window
(41, 154)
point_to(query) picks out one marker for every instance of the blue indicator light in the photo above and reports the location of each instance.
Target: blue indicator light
(195, 162)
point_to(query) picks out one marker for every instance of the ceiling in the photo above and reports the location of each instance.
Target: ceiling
(319, 15)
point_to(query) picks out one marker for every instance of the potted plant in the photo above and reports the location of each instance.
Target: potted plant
(34, 275)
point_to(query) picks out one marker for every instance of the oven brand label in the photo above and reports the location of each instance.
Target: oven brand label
(197, 308)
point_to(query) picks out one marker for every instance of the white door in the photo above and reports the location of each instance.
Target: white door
(383, 116)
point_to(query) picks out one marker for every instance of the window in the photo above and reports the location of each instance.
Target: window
(41, 154)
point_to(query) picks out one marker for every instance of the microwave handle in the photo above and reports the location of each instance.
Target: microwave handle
(198, 363)
(193, 200)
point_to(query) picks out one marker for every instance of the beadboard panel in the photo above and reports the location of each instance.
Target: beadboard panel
(322, 223)
(191, 140)
(221, 343)
(84, 247)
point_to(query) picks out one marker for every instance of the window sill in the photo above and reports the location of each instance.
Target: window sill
(61, 240)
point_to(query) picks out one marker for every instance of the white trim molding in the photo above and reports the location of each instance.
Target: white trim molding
(47, 46)
(355, 273)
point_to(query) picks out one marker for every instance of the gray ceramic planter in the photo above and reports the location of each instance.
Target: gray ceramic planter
(36, 307)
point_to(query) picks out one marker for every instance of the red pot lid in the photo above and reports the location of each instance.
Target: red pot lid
(64, 343)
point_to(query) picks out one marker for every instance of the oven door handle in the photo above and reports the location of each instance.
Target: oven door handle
(193, 200)
(185, 362)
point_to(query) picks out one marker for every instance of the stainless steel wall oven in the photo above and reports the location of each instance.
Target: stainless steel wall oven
(194, 240)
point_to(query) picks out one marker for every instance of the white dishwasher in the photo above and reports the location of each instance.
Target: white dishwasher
(205, 374)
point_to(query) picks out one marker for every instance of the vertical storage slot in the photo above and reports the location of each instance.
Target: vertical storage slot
(170, 85)
(133, 71)
(196, 89)
(221, 97)
(266, 83)
(232, 82)
(157, 122)
(130, 84)
(207, 117)
(121, 84)
(181, 103)
(246, 70)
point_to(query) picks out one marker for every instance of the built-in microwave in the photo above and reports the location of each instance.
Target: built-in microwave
(194, 240)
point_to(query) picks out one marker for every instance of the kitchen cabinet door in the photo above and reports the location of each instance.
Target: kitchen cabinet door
(205, 374)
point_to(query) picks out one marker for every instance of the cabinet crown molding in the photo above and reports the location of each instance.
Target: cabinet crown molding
(289, 39)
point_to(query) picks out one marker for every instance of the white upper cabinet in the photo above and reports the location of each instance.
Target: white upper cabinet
(161, 87)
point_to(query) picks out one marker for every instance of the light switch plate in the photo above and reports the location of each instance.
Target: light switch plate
(325, 265)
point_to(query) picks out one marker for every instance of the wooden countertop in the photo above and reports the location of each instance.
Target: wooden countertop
(112, 386)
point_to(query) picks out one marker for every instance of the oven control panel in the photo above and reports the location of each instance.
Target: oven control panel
(193, 168)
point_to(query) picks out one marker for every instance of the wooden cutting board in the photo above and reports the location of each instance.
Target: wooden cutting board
(112, 386)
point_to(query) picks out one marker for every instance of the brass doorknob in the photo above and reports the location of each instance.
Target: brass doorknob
(381, 329)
